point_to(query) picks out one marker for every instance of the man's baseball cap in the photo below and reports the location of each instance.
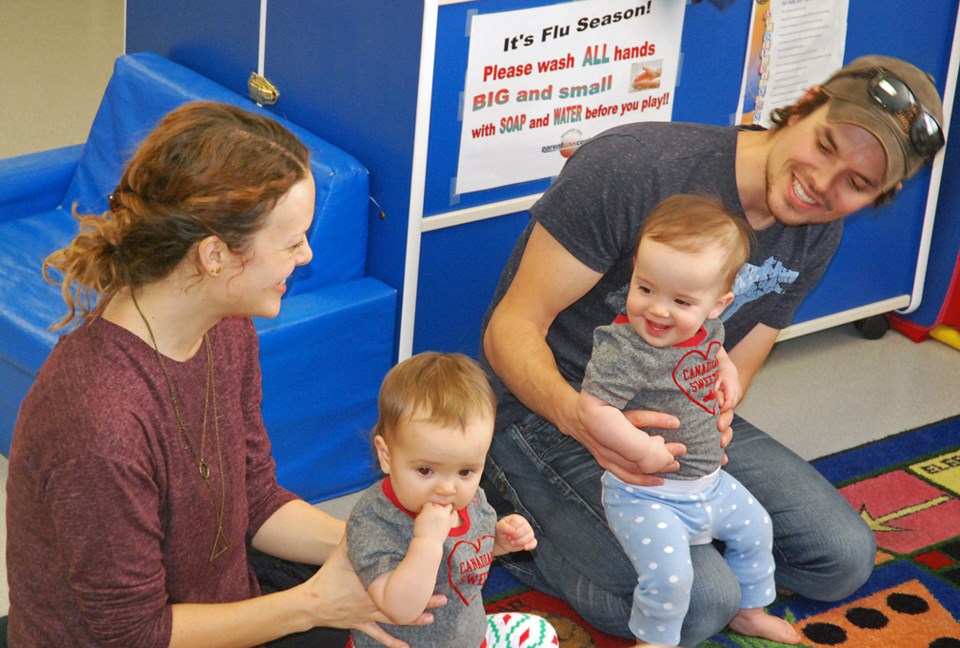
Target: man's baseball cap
(894, 101)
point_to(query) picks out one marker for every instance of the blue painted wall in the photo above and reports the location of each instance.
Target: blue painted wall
(348, 70)
(217, 38)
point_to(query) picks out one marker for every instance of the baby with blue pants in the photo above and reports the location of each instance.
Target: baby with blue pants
(664, 352)
(656, 526)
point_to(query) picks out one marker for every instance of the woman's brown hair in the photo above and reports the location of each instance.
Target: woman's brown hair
(207, 169)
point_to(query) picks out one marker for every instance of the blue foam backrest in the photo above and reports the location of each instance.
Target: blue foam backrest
(145, 86)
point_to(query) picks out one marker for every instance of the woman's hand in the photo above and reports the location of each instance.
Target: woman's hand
(339, 600)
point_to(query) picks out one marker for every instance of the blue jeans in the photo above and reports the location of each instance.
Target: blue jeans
(822, 548)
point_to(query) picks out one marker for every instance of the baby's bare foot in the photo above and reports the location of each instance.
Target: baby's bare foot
(755, 622)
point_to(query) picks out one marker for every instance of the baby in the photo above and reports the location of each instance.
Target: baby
(667, 355)
(427, 526)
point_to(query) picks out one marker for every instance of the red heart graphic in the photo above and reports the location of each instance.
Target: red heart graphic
(466, 565)
(696, 375)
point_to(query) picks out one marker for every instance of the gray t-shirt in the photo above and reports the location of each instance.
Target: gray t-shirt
(595, 209)
(379, 531)
(628, 373)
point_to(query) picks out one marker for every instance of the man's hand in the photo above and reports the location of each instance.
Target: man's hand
(619, 440)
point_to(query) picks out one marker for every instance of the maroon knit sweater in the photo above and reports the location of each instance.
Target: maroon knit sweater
(108, 520)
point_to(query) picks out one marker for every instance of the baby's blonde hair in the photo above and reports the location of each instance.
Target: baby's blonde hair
(691, 223)
(445, 388)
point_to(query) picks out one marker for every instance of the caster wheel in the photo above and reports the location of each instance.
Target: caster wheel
(873, 327)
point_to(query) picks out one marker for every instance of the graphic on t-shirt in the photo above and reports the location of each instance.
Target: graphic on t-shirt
(753, 282)
(617, 300)
(696, 374)
(469, 564)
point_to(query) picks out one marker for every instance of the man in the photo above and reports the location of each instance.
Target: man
(845, 145)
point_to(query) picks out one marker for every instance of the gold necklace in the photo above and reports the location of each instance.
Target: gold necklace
(219, 542)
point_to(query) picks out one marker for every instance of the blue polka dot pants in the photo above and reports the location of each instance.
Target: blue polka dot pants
(656, 526)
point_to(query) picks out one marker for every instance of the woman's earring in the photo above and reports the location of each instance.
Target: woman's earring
(216, 271)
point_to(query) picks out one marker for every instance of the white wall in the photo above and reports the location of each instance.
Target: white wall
(55, 59)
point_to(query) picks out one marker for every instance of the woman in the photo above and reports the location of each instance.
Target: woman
(140, 469)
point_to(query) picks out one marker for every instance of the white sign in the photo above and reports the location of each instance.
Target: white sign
(793, 45)
(541, 81)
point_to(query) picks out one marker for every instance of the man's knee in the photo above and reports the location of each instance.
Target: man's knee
(604, 610)
(602, 595)
(711, 609)
(840, 563)
(848, 565)
(715, 598)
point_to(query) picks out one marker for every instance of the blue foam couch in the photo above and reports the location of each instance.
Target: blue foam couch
(323, 358)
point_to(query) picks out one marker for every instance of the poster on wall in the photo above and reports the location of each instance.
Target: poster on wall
(793, 45)
(542, 81)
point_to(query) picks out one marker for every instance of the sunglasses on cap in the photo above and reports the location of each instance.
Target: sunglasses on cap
(895, 96)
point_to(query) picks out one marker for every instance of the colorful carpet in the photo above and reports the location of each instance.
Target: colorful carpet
(907, 487)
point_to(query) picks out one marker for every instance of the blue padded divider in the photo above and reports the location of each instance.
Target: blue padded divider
(322, 359)
(334, 346)
(30, 304)
(37, 181)
(145, 87)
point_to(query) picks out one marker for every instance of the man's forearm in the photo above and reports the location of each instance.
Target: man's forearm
(751, 352)
(520, 356)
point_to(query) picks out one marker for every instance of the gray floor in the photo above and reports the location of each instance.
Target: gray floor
(818, 394)
(55, 59)
(834, 390)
